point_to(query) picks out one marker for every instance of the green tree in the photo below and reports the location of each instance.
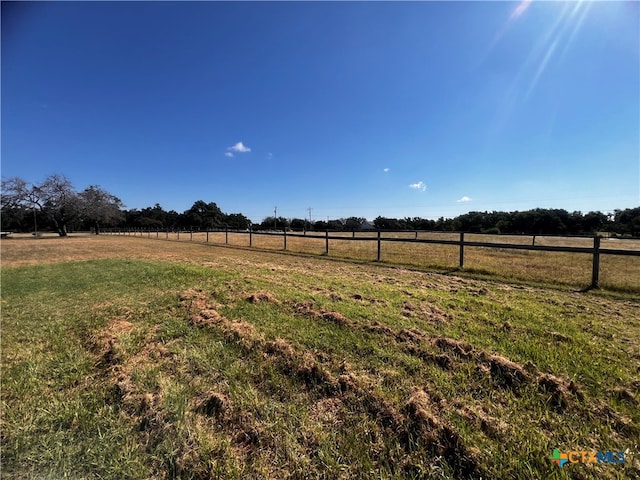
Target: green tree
(354, 223)
(55, 199)
(99, 207)
(237, 221)
(203, 215)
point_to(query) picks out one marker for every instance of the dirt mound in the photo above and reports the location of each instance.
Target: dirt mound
(213, 404)
(207, 316)
(308, 309)
(477, 416)
(194, 299)
(337, 318)
(457, 347)
(314, 375)
(409, 335)
(360, 394)
(425, 425)
(280, 347)
(559, 391)
(377, 327)
(504, 372)
(262, 297)
(106, 342)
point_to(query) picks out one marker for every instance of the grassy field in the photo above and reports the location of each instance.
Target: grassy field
(621, 273)
(125, 358)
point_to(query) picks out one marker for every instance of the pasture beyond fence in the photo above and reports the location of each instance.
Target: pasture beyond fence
(416, 248)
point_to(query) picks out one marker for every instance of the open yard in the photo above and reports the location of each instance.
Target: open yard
(617, 272)
(129, 358)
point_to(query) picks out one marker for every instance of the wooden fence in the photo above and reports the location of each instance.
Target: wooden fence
(594, 250)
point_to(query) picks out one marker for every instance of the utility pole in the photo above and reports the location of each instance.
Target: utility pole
(309, 217)
(275, 217)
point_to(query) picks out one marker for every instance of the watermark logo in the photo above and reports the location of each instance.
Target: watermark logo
(559, 458)
(579, 456)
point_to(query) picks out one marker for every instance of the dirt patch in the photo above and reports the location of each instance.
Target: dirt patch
(457, 347)
(425, 311)
(442, 360)
(194, 299)
(560, 392)
(308, 309)
(337, 318)
(105, 343)
(505, 372)
(206, 317)
(478, 417)
(315, 376)
(280, 347)
(409, 335)
(360, 394)
(424, 424)
(624, 394)
(213, 404)
(262, 297)
(380, 328)
(327, 411)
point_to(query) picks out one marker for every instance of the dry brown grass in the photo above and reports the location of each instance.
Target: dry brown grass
(617, 272)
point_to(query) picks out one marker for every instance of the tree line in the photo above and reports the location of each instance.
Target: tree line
(55, 204)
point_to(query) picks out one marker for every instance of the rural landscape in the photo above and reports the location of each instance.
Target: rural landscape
(126, 357)
(267, 240)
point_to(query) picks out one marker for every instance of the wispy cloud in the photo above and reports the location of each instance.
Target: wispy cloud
(228, 154)
(463, 199)
(418, 186)
(386, 169)
(237, 148)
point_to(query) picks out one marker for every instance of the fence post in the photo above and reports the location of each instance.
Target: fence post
(191, 233)
(595, 274)
(353, 233)
(226, 234)
(250, 236)
(167, 236)
(326, 242)
(285, 238)
(178, 234)
(207, 235)
(461, 250)
(378, 245)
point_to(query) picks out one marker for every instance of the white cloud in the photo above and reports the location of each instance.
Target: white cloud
(238, 148)
(228, 154)
(419, 186)
(386, 169)
(463, 199)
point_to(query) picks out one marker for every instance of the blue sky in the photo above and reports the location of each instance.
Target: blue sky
(368, 108)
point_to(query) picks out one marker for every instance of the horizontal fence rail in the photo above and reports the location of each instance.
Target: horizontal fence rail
(595, 249)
